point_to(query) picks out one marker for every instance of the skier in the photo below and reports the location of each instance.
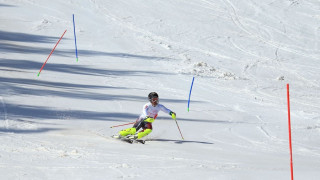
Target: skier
(149, 114)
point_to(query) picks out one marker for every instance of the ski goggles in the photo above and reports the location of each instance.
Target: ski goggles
(155, 100)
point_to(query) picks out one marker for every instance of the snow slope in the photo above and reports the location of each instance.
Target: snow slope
(241, 53)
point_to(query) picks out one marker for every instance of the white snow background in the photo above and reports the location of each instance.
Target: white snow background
(242, 54)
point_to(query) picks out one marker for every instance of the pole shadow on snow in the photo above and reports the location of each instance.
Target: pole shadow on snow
(15, 112)
(6, 5)
(16, 48)
(16, 86)
(19, 114)
(9, 43)
(17, 82)
(180, 141)
(24, 37)
(79, 69)
(205, 121)
(26, 131)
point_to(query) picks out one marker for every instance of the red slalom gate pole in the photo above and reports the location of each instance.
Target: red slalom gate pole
(122, 125)
(289, 124)
(51, 53)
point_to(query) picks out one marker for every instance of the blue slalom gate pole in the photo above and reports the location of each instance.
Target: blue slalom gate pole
(75, 37)
(190, 93)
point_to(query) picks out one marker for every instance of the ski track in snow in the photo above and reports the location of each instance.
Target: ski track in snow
(237, 20)
(173, 46)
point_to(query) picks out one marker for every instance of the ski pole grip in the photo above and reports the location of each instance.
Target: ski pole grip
(173, 116)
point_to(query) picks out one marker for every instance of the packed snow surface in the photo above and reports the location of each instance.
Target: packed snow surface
(242, 54)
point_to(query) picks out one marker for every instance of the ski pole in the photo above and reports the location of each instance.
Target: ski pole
(174, 117)
(122, 125)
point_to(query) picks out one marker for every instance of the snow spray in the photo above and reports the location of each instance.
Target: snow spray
(75, 37)
(190, 93)
(51, 53)
(289, 124)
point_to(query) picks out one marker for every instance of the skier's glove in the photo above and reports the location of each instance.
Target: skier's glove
(173, 115)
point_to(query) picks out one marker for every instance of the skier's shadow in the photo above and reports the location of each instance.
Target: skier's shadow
(179, 141)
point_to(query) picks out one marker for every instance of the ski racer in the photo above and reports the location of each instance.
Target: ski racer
(149, 114)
